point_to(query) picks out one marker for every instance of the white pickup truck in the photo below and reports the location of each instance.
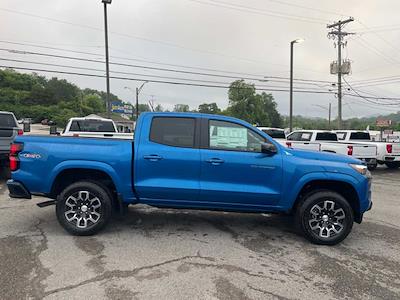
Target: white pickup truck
(279, 135)
(327, 141)
(387, 153)
(94, 127)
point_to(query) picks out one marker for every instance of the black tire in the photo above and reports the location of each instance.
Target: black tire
(372, 167)
(392, 165)
(317, 224)
(87, 203)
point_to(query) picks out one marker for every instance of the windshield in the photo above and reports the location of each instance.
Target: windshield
(7, 120)
(92, 126)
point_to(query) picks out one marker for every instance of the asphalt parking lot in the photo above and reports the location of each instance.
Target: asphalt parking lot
(171, 254)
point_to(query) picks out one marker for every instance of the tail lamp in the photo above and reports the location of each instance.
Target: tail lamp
(389, 148)
(15, 149)
(350, 150)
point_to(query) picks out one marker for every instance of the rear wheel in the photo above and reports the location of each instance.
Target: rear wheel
(392, 165)
(372, 167)
(84, 208)
(325, 217)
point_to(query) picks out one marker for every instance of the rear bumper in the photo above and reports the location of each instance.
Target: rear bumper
(395, 158)
(18, 190)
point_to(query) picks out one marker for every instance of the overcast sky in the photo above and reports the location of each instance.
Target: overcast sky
(240, 36)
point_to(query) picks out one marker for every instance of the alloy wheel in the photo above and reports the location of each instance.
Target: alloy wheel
(326, 219)
(83, 209)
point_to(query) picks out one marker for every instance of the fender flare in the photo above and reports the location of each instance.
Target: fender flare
(318, 176)
(83, 164)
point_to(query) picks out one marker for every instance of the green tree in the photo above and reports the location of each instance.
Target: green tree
(246, 104)
(181, 108)
(209, 108)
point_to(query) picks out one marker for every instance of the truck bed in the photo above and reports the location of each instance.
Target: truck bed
(55, 153)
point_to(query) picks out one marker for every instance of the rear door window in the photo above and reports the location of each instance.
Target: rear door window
(177, 132)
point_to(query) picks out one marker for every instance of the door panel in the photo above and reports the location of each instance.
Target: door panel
(242, 178)
(166, 172)
(168, 160)
(238, 173)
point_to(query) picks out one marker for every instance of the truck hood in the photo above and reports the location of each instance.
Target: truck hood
(322, 156)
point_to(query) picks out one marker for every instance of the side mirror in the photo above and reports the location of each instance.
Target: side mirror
(269, 149)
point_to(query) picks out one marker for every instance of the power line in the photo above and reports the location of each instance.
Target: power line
(151, 68)
(368, 99)
(328, 12)
(157, 81)
(186, 84)
(135, 74)
(259, 11)
(130, 36)
(126, 58)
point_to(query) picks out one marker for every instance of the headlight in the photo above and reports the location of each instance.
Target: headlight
(363, 170)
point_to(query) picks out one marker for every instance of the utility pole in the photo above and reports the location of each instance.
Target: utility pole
(339, 34)
(329, 118)
(106, 2)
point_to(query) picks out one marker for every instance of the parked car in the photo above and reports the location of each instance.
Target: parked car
(47, 122)
(328, 142)
(94, 127)
(191, 161)
(387, 153)
(8, 131)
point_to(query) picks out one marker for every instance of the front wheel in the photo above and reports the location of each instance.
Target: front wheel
(392, 165)
(325, 217)
(83, 208)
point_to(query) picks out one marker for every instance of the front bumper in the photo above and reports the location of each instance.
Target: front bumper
(18, 190)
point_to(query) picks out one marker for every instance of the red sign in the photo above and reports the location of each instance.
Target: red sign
(383, 123)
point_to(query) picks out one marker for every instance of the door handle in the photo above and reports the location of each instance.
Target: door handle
(215, 161)
(152, 157)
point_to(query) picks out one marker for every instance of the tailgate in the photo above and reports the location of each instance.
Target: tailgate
(305, 146)
(7, 136)
(396, 149)
(364, 151)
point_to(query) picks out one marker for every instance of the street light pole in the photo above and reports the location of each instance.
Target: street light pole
(107, 57)
(138, 90)
(291, 83)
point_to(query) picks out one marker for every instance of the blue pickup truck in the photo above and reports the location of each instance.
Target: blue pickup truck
(191, 161)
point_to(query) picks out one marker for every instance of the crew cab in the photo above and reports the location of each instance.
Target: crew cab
(387, 153)
(328, 142)
(191, 161)
(94, 127)
(9, 129)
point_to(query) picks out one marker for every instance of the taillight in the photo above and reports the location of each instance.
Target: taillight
(15, 149)
(349, 150)
(20, 132)
(289, 144)
(389, 148)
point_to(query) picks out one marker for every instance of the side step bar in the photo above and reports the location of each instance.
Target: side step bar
(46, 203)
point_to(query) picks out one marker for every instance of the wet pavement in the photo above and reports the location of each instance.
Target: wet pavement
(179, 254)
